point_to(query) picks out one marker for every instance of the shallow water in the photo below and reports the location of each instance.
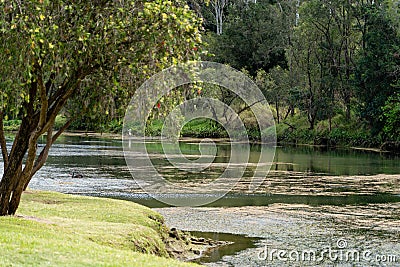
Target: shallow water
(310, 199)
(240, 243)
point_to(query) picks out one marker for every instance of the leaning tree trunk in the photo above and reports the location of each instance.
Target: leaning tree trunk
(22, 162)
(16, 177)
(12, 180)
(11, 188)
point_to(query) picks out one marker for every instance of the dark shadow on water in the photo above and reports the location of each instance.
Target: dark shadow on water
(241, 242)
(240, 200)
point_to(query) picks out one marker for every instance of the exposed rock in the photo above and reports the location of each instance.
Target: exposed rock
(183, 246)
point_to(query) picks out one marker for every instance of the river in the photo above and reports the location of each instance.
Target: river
(316, 206)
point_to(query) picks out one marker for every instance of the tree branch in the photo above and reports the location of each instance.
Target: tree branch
(28, 120)
(30, 159)
(44, 154)
(291, 126)
(50, 139)
(43, 98)
(249, 106)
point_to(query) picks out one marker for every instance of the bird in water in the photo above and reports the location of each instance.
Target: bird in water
(77, 175)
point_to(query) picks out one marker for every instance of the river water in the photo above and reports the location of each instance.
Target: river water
(315, 207)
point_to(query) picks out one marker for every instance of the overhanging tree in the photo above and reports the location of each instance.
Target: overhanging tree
(53, 52)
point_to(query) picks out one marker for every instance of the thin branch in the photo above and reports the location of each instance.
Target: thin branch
(291, 126)
(19, 6)
(249, 106)
(62, 129)
(50, 139)
(43, 98)
(30, 159)
(45, 152)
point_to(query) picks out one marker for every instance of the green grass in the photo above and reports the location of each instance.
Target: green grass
(202, 128)
(53, 229)
(196, 128)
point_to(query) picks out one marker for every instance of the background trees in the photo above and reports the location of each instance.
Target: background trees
(335, 63)
(378, 65)
(331, 64)
(254, 36)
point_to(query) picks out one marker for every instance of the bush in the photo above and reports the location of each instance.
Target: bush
(115, 126)
(60, 121)
(202, 128)
(391, 117)
(343, 133)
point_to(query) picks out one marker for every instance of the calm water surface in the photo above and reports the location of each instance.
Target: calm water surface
(314, 179)
(105, 173)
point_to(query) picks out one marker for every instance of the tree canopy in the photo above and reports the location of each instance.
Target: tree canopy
(82, 54)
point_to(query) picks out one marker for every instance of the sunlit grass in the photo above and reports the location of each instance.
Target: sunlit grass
(53, 229)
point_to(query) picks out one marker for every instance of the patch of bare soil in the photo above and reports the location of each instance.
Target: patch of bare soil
(36, 219)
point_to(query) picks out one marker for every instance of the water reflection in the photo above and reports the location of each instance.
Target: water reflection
(296, 171)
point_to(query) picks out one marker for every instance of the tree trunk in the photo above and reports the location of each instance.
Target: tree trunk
(15, 199)
(11, 188)
(277, 110)
(311, 120)
(9, 195)
(11, 191)
(348, 107)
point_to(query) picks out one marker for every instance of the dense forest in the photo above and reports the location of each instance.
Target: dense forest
(329, 69)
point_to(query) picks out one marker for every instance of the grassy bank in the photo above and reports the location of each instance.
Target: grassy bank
(55, 229)
(337, 132)
(199, 128)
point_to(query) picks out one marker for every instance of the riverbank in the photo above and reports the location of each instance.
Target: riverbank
(64, 230)
(294, 131)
